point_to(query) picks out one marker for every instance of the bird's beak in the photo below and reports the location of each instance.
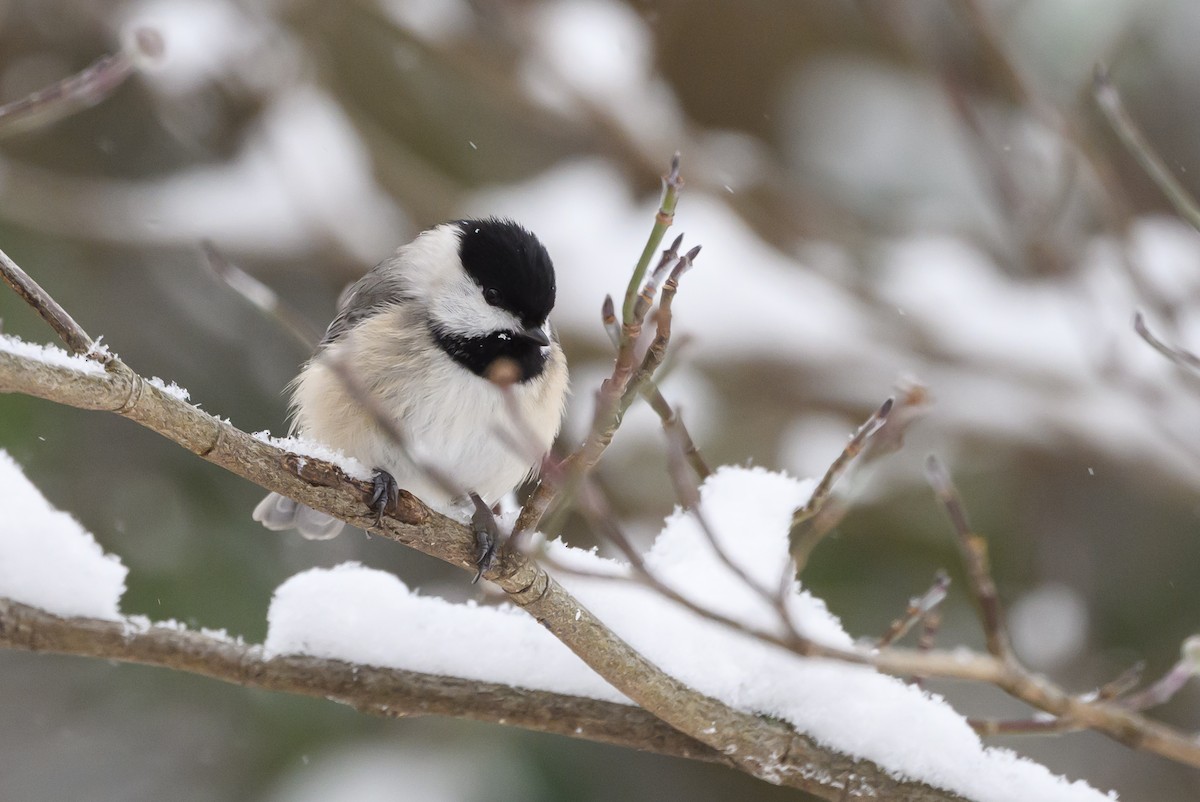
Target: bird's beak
(535, 335)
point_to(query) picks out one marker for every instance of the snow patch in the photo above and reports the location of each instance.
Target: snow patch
(171, 388)
(311, 448)
(47, 559)
(353, 613)
(51, 355)
(370, 617)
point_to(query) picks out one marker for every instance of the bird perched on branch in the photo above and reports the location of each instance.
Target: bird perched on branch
(412, 375)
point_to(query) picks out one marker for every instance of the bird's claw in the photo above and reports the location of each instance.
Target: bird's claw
(487, 536)
(384, 493)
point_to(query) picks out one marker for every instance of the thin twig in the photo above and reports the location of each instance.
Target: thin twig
(973, 550)
(672, 184)
(1085, 712)
(843, 460)
(689, 498)
(1131, 136)
(387, 424)
(1125, 682)
(596, 509)
(918, 608)
(71, 333)
(654, 397)
(260, 296)
(1170, 683)
(805, 536)
(617, 393)
(1179, 356)
(1038, 725)
(82, 90)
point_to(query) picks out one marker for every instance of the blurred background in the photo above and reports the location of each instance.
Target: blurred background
(890, 195)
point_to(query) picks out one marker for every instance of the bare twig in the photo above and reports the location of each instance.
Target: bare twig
(666, 413)
(918, 608)
(1170, 683)
(654, 397)
(806, 535)
(1038, 725)
(71, 333)
(259, 295)
(1089, 712)
(1131, 136)
(1179, 356)
(1158, 693)
(387, 424)
(689, 499)
(1125, 682)
(843, 460)
(617, 393)
(973, 550)
(82, 90)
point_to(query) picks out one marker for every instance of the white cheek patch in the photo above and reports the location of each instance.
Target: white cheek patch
(455, 302)
(458, 306)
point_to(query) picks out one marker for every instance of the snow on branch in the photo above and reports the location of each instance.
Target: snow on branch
(385, 692)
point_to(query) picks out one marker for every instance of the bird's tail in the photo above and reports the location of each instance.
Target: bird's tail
(277, 513)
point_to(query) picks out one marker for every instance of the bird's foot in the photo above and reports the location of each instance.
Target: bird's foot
(384, 493)
(487, 536)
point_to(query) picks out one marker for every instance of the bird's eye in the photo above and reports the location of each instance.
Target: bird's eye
(492, 296)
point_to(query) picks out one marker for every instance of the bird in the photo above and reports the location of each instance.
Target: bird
(437, 334)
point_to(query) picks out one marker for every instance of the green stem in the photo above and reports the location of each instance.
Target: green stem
(672, 183)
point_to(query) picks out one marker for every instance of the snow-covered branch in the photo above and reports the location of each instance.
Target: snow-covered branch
(375, 691)
(765, 748)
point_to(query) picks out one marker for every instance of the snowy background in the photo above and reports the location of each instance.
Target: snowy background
(878, 202)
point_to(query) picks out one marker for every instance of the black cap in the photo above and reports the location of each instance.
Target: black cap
(511, 267)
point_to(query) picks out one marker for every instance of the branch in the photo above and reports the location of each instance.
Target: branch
(672, 184)
(1180, 356)
(375, 691)
(656, 400)
(918, 608)
(974, 553)
(84, 89)
(1131, 136)
(807, 529)
(70, 332)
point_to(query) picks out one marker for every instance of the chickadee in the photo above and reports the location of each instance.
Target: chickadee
(420, 332)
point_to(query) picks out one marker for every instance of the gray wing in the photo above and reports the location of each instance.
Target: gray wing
(382, 287)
